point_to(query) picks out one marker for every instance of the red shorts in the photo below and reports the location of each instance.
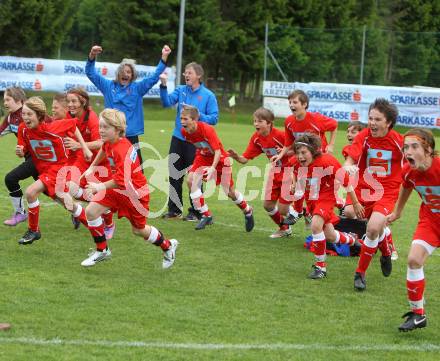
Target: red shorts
(385, 205)
(278, 189)
(49, 180)
(102, 174)
(324, 209)
(223, 169)
(132, 208)
(427, 230)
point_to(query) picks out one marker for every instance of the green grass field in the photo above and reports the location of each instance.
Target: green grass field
(231, 295)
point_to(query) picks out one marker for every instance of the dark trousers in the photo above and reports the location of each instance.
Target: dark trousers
(181, 157)
(23, 171)
(135, 140)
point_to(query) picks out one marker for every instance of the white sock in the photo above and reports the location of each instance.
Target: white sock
(17, 203)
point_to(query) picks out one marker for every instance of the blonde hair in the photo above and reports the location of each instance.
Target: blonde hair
(61, 98)
(17, 93)
(37, 105)
(114, 118)
(191, 111)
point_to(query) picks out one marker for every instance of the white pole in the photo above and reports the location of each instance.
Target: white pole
(364, 33)
(180, 42)
(266, 36)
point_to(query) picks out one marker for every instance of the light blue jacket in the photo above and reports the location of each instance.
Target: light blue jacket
(127, 99)
(202, 98)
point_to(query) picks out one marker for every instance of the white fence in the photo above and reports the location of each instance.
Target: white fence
(60, 75)
(418, 107)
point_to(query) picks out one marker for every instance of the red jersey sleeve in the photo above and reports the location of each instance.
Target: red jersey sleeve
(355, 150)
(4, 125)
(326, 124)
(252, 149)
(20, 140)
(289, 138)
(212, 138)
(61, 127)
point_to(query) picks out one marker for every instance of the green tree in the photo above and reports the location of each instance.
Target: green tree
(34, 28)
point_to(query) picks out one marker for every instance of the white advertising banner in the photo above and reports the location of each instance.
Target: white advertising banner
(60, 75)
(418, 107)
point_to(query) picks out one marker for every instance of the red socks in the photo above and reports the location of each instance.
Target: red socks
(34, 215)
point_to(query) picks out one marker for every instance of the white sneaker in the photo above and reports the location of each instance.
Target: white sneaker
(282, 233)
(96, 257)
(169, 256)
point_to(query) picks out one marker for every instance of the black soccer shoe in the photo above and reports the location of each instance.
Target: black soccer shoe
(359, 282)
(205, 221)
(249, 221)
(290, 220)
(412, 322)
(317, 273)
(192, 216)
(386, 265)
(29, 237)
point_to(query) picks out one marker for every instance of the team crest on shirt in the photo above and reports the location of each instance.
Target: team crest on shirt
(133, 155)
(204, 147)
(430, 196)
(379, 161)
(270, 152)
(44, 150)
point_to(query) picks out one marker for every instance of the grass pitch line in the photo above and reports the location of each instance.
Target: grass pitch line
(220, 346)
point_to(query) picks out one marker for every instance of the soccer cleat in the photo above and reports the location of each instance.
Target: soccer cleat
(386, 265)
(204, 221)
(172, 215)
(29, 237)
(317, 273)
(359, 282)
(76, 223)
(15, 219)
(96, 256)
(249, 221)
(290, 220)
(169, 256)
(192, 216)
(109, 231)
(284, 231)
(413, 321)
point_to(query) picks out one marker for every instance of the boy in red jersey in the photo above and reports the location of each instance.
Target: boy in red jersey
(126, 192)
(44, 141)
(269, 140)
(317, 175)
(422, 173)
(376, 155)
(211, 162)
(300, 122)
(78, 104)
(13, 100)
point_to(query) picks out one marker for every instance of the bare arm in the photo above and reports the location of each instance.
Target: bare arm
(239, 158)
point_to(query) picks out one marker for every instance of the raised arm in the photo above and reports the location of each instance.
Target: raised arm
(97, 79)
(147, 83)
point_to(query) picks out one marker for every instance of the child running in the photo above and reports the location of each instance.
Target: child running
(315, 175)
(422, 173)
(376, 155)
(211, 162)
(44, 141)
(269, 140)
(126, 192)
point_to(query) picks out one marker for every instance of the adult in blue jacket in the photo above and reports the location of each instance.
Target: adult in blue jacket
(196, 94)
(124, 93)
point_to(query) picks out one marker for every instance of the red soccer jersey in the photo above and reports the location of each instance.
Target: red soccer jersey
(45, 143)
(315, 123)
(88, 125)
(268, 145)
(124, 164)
(318, 179)
(206, 140)
(381, 157)
(427, 184)
(345, 150)
(11, 122)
